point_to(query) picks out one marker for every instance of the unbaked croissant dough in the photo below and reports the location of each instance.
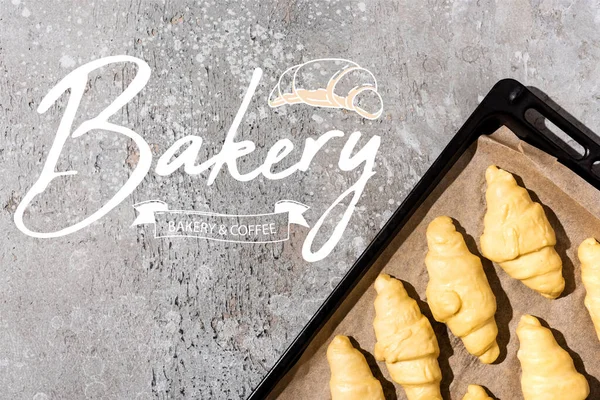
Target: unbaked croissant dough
(351, 377)
(548, 372)
(476, 392)
(406, 341)
(589, 256)
(458, 291)
(518, 236)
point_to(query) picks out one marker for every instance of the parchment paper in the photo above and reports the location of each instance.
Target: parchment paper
(573, 208)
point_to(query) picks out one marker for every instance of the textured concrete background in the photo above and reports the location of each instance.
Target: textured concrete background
(112, 313)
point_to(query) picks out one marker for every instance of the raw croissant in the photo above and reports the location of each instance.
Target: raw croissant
(518, 236)
(548, 372)
(351, 377)
(589, 256)
(406, 341)
(458, 291)
(476, 392)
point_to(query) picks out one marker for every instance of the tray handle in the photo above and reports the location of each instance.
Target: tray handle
(532, 113)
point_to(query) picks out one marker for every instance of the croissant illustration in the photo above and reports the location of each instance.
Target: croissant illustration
(518, 236)
(548, 372)
(458, 291)
(406, 341)
(351, 377)
(476, 392)
(589, 256)
(348, 86)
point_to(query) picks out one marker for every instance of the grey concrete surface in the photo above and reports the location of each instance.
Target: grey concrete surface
(110, 312)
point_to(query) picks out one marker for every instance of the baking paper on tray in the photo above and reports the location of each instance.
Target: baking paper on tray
(573, 209)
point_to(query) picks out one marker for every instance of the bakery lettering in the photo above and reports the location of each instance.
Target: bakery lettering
(188, 148)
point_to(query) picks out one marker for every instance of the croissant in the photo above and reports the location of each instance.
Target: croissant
(548, 372)
(406, 341)
(476, 392)
(518, 236)
(362, 89)
(589, 256)
(458, 291)
(351, 377)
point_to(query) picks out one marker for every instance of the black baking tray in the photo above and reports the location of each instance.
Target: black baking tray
(509, 103)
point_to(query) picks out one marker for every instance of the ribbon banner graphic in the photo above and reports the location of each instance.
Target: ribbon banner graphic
(256, 228)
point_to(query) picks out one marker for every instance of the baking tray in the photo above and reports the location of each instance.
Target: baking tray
(510, 104)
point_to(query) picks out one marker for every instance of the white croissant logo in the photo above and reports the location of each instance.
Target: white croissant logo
(290, 91)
